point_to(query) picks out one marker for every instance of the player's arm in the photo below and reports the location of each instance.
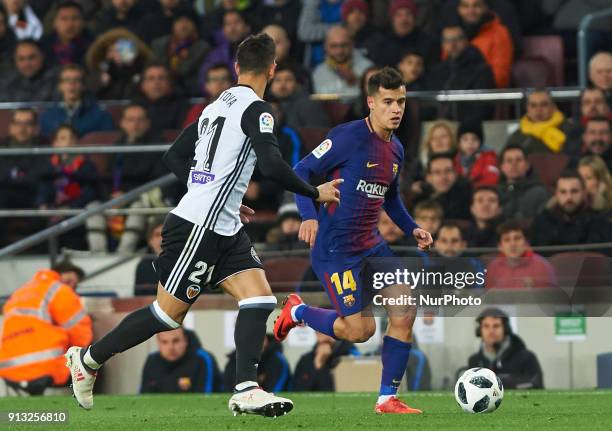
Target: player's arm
(399, 214)
(258, 124)
(329, 155)
(180, 155)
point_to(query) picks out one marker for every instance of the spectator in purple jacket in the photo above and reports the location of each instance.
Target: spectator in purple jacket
(235, 30)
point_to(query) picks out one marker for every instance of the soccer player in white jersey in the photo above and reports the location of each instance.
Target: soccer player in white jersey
(203, 240)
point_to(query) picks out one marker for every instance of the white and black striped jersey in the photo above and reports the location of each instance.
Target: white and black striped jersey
(217, 156)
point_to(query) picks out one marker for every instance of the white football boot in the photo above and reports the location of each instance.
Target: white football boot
(82, 379)
(256, 401)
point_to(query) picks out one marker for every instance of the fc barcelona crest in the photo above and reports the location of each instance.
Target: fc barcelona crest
(349, 300)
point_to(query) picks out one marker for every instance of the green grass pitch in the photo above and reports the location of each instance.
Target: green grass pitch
(546, 410)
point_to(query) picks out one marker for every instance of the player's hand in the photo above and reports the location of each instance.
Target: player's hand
(245, 212)
(308, 232)
(423, 238)
(329, 193)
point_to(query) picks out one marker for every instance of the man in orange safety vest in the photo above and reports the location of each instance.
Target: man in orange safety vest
(41, 320)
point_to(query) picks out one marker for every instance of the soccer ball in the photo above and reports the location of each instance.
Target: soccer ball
(479, 390)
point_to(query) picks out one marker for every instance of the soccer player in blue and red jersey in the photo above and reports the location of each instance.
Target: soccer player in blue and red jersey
(368, 157)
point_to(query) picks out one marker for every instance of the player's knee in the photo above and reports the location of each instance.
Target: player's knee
(361, 333)
(404, 322)
(173, 317)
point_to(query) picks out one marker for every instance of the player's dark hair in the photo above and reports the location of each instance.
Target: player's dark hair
(256, 53)
(388, 78)
(28, 110)
(511, 147)
(439, 156)
(511, 226)
(67, 266)
(569, 174)
(491, 189)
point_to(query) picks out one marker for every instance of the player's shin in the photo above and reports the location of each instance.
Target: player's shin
(394, 357)
(249, 336)
(137, 327)
(319, 319)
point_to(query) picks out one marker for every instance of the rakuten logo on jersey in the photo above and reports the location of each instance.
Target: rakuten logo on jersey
(198, 177)
(373, 190)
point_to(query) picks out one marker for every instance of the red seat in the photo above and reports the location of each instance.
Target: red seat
(535, 72)
(170, 135)
(312, 137)
(550, 48)
(581, 269)
(336, 111)
(100, 139)
(5, 119)
(548, 167)
(116, 111)
(284, 273)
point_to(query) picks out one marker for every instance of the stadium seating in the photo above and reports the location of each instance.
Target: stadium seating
(100, 138)
(170, 135)
(550, 48)
(312, 136)
(533, 72)
(581, 269)
(5, 119)
(548, 167)
(284, 273)
(336, 111)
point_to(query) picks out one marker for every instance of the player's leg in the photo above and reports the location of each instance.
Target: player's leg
(255, 303)
(395, 351)
(165, 314)
(240, 273)
(349, 320)
(184, 245)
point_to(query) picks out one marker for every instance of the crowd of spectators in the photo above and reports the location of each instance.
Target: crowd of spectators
(157, 55)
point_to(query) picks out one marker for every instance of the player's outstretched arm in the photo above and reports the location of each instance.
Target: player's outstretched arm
(179, 156)
(258, 124)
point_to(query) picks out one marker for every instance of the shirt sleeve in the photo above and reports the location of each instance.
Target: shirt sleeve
(396, 210)
(258, 124)
(330, 154)
(180, 155)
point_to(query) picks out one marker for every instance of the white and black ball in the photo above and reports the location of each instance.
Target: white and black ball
(479, 390)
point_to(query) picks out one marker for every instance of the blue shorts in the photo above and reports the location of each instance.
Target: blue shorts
(341, 278)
